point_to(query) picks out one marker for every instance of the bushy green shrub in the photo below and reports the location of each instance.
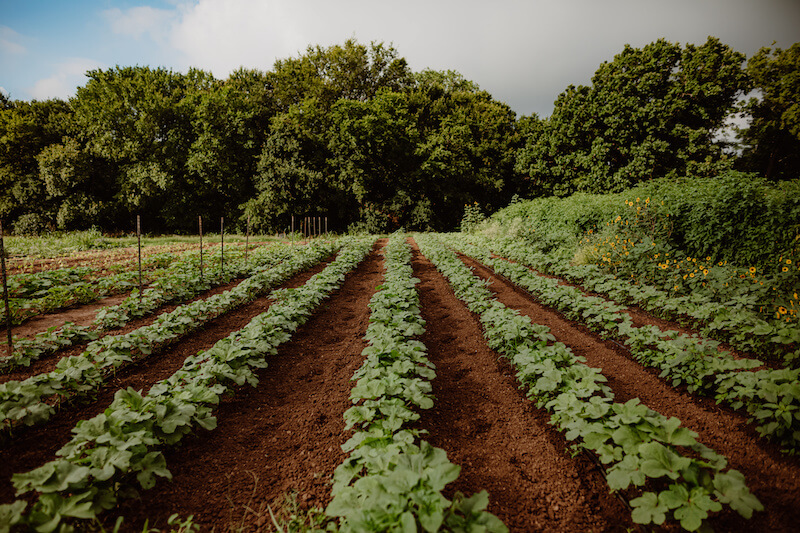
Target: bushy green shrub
(31, 224)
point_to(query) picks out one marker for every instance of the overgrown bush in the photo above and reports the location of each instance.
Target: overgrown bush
(31, 224)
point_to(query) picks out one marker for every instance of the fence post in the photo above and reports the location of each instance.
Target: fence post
(5, 292)
(246, 240)
(139, 241)
(200, 223)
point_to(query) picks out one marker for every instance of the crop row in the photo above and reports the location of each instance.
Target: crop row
(682, 479)
(32, 400)
(48, 291)
(119, 452)
(771, 397)
(393, 480)
(180, 282)
(732, 321)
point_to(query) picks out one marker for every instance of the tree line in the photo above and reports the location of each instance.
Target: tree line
(351, 133)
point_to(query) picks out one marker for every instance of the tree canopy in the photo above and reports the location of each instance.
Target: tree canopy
(352, 133)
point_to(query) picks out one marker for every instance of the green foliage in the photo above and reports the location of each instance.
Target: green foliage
(473, 216)
(31, 225)
(651, 112)
(772, 141)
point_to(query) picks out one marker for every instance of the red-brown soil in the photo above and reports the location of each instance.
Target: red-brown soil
(502, 442)
(283, 436)
(773, 477)
(32, 447)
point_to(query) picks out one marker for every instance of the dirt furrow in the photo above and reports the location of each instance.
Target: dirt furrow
(502, 442)
(773, 477)
(283, 436)
(32, 447)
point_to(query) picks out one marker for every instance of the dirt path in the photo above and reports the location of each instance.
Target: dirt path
(772, 476)
(285, 435)
(32, 447)
(502, 442)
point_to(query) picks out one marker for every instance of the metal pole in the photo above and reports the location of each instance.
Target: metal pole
(200, 223)
(139, 240)
(222, 244)
(246, 239)
(5, 292)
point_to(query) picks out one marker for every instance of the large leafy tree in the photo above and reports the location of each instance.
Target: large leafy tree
(293, 174)
(351, 71)
(27, 128)
(231, 122)
(772, 141)
(140, 120)
(650, 112)
(467, 147)
(372, 146)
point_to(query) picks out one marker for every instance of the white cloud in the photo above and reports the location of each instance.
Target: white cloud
(141, 20)
(222, 35)
(9, 42)
(68, 75)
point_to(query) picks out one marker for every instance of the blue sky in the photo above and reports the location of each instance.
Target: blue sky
(525, 52)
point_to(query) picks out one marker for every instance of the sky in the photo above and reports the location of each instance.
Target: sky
(525, 53)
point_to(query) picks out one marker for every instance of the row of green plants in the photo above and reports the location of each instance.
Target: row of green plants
(179, 282)
(733, 321)
(679, 478)
(58, 296)
(393, 480)
(770, 396)
(120, 451)
(34, 400)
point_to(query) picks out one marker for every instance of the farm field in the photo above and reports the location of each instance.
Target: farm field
(337, 374)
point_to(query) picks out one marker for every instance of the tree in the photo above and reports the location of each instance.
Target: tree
(231, 122)
(372, 147)
(27, 128)
(351, 71)
(772, 142)
(293, 174)
(650, 112)
(140, 121)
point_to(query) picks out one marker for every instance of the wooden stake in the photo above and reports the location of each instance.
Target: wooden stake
(246, 240)
(200, 223)
(5, 292)
(139, 240)
(222, 244)
(292, 230)
(326, 225)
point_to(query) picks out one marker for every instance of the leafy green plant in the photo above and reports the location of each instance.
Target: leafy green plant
(681, 479)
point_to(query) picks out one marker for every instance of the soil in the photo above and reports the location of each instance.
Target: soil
(283, 437)
(502, 442)
(772, 476)
(34, 446)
